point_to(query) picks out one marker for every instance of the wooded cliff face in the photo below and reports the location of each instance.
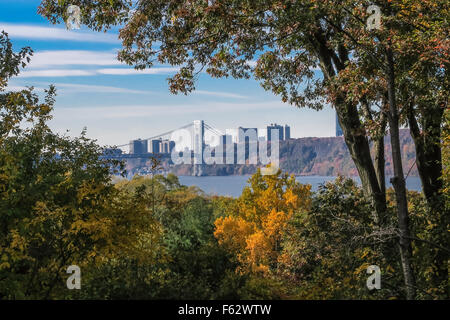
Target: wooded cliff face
(330, 156)
(304, 156)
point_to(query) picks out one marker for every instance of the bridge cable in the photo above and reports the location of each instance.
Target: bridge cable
(158, 136)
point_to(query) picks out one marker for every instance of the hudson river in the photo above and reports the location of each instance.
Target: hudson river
(233, 185)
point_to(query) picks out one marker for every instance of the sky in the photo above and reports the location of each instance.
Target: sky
(117, 103)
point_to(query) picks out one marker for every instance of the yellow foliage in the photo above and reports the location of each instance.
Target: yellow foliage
(254, 227)
(232, 232)
(274, 223)
(259, 251)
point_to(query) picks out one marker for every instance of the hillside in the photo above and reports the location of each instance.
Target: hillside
(330, 156)
(304, 156)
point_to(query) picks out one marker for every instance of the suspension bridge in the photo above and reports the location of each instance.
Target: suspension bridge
(194, 131)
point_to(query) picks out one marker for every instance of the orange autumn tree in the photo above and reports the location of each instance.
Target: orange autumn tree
(253, 228)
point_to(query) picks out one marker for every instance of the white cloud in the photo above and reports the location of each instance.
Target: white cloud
(15, 88)
(69, 87)
(75, 88)
(128, 71)
(42, 64)
(219, 94)
(55, 73)
(48, 58)
(51, 33)
(88, 88)
(92, 72)
(140, 111)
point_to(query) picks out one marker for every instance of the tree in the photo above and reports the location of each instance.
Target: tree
(327, 249)
(359, 69)
(194, 265)
(408, 56)
(446, 158)
(58, 206)
(253, 227)
(224, 36)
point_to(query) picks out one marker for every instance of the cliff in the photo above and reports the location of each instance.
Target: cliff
(330, 156)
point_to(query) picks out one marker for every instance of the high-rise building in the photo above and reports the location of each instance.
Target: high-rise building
(155, 146)
(138, 146)
(247, 135)
(171, 146)
(224, 138)
(225, 148)
(339, 132)
(166, 146)
(271, 130)
(287, 132)
(247, 145)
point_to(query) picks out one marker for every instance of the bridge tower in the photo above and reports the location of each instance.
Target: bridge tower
(198, 144)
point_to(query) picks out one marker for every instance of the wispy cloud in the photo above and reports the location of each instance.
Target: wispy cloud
(93, 72)
(126, 72)
(77, 88)
(25, 31)
(46, 63)
(43, 59)
(219, 94)
(69, 87)
(18, 88)
(55, 73)
(140, 111)
(88, 88)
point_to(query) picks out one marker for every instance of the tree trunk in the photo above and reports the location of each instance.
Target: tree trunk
(348, 117)
(380, 161)
(358, 146)
(429, 165)
(398, 181)
(428, 151)
(378, 144)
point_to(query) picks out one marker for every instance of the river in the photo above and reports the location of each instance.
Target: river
(233, 185)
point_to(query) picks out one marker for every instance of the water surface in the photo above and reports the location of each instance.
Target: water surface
(233, 185)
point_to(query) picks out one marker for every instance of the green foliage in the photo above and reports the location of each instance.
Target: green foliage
(152, 238)
(446, 159)
(189, 263)
(430, 247)
(333, 244)
(197, 263)
(58, 206)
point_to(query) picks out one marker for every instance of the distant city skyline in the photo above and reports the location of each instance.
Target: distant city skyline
(118, 104)
(156, 143)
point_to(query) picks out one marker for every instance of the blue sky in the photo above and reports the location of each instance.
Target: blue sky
(117, 103)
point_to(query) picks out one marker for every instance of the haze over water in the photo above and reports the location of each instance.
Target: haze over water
(233, 185)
